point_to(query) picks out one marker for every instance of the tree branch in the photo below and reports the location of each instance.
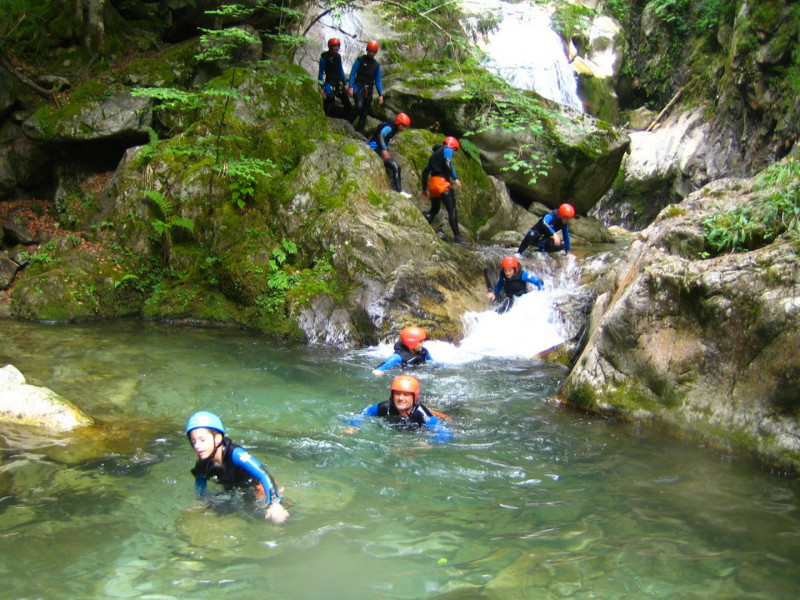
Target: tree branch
(24, 79)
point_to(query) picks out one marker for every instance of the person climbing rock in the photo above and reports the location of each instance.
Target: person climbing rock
(380, 144)
(545, 233)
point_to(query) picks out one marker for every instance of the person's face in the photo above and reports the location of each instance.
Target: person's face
(335, 48)
(204, 442)
(403, 401)
(400, 127)
(509, 271)
(371, 54)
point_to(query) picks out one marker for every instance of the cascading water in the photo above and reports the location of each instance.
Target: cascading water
(531, 326)
(526, 52)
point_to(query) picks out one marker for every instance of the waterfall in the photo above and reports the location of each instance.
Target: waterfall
(527, 53)
(533, 324)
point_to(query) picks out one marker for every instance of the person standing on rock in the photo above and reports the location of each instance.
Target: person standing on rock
(332, 80)
(545, 233)
(364, 76)
(436, 184)
(380, 144)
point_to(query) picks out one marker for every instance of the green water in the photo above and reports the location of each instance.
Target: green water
(530, 500)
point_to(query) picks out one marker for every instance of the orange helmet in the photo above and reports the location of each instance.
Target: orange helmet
(402, 119)
(413, 336)
(372, 46)
(333, 42)
(566, 211)
(451, 142)
(509, 262)
(406, 383)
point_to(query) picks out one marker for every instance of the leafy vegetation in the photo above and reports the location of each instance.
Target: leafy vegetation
(775, 212)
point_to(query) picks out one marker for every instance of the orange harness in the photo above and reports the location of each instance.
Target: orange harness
(437, 186)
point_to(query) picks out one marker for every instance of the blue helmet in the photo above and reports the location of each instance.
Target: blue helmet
(206, 420)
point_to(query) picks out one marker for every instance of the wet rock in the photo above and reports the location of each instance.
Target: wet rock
(26, 404)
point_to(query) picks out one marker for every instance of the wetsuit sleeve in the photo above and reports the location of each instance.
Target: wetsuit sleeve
(341, 71)
(531, 278)
(378, 82)
(426, 173)
(498, 286)
(565, 235)
(448, 162)
(321, 76)
(394, 360)
(428, 357)
(370, 411)
(242, 458)
(353, 72)
(200, 484)
(382, 144)
(548, 222)
(440, 429)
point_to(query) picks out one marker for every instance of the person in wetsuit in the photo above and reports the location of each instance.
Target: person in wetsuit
(544, 233)
(332, 80)
(379, 142)
(364, 76)
(408, 351)
(513, 281)
(436, 184)
(403, 410)
(222, 461)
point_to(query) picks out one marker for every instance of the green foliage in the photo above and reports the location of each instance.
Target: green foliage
(243, 174)
(571, 20)
(775, 212)
(710, 13)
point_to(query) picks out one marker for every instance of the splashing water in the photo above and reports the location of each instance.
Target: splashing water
(531, 326)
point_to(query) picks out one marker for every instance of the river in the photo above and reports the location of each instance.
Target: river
(529, 500)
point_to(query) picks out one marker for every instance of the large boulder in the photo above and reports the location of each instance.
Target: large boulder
(26, 404)
(542, 150)
(706, 343)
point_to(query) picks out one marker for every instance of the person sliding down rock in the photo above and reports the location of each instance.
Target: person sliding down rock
(545, 233)
(513, 281)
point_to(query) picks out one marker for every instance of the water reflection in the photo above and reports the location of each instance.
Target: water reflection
(530, 500)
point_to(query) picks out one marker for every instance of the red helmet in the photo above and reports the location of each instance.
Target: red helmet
(402, 119)
(509, 262)
(451, 142)
(406, 383)
(333, 42)
(372, 46)
(413, 336)
(566, 211)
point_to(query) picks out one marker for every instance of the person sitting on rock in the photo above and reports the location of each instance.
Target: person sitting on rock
(407, 351)
(544, 233)
(513, 281)
(380, 144)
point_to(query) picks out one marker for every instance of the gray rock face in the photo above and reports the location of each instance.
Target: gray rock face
(707, 344)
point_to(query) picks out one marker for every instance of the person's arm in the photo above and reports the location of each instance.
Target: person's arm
(242, 458)
(200, 485)
(353, 72)
(548, 222)
(426, 173)
(382, 144)
(427, 355)
(393, 360)
(370, 411)
(342, 76)
(532, 279)
(440, 429)
(379, 84)
(448, 162)
(565, 232)
(321, 76)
